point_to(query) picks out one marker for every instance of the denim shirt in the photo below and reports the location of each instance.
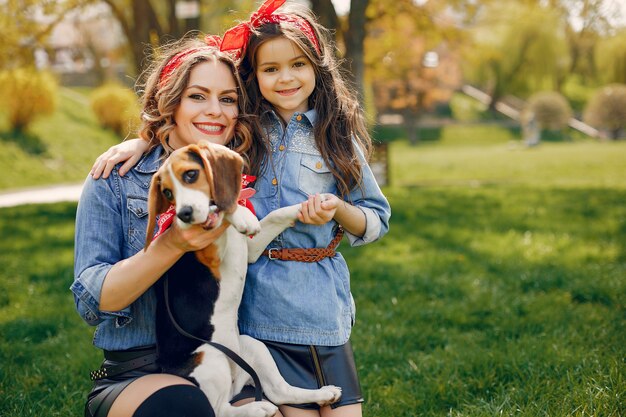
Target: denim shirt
(299, 302)
(111, 226)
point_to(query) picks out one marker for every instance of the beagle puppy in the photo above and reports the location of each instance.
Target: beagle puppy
(203, 182)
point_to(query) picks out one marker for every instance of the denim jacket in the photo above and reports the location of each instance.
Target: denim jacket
(298, 302)
(111, 226)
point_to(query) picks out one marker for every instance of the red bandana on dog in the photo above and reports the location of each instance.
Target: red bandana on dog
(165, 219)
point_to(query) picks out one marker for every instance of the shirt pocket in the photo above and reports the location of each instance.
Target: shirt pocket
(137, 221)
(315, 176)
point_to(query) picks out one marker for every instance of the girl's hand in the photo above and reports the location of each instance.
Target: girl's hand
(319, 209)
(129, 151)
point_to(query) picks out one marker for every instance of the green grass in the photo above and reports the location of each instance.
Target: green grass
(59, 148)
(500, 289)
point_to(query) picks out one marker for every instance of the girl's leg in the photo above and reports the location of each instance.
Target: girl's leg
(152, 390)
(351, 410)
(298, 412)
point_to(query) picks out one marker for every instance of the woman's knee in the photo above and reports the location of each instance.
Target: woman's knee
(152, 392)
(176, 401)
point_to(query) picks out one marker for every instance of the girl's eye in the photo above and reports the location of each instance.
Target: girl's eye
(269, 69)
(168, 194)
(299, 64)
(190, 176)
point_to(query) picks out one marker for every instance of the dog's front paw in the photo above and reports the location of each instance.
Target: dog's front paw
(244, 221)
(259, 409)
(329, 394)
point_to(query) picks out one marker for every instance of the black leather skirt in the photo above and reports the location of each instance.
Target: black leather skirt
(106, 390)
(312, 367)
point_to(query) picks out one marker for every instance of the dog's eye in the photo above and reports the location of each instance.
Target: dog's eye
(168, 194)
(190, 176)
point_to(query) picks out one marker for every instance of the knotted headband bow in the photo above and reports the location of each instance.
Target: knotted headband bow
(213, 42)
(236, 38)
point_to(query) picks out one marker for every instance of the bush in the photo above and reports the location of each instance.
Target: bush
(607, 109)
(26, 94)
(550, 109)
(116, 108)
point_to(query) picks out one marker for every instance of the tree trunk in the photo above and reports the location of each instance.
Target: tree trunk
(353, 36)
(355, 39)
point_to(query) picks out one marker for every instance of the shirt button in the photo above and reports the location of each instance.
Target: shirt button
(299, 117)
(274, 181)
(318, 165)
(281, 148)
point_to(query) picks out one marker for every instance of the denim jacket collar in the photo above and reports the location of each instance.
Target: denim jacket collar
(151, 161)
(310, 115)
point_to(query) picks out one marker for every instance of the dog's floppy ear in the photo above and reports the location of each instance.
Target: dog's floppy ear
(157, 203)
(226, 167)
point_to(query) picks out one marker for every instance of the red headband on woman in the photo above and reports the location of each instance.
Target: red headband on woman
(236, 38)
(213, 42)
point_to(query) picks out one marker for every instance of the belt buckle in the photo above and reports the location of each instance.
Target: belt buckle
(272, 257)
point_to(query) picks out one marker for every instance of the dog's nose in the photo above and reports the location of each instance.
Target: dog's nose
(185, 214)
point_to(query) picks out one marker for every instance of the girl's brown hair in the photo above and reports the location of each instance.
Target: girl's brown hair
(161, 97)
(340, 117)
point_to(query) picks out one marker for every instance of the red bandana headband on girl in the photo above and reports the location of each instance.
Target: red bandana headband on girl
(213, 42)
(236, 38)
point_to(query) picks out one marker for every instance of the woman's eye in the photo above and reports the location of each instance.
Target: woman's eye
(196, 96)
(228, 100)
(190, 176)
(168, 194)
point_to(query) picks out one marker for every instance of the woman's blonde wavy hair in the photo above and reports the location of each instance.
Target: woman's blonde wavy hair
(161, 98)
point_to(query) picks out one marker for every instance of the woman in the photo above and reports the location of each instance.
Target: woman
(193, 94)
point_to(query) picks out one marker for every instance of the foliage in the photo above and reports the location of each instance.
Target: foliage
(26, 94)
(549, 109)
(25, 26)
(401, 34)
(611, 57)
(498, 290)
(514, 47)
(607, 109)
(116, 108)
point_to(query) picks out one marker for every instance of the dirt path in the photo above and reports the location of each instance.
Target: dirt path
(39, 195)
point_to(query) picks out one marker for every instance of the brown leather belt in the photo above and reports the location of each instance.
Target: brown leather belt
(305, 254)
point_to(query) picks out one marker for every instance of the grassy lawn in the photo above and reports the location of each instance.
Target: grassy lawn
(500, 289)
(59, 148)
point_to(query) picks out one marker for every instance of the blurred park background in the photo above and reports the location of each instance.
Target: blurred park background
(499, 130)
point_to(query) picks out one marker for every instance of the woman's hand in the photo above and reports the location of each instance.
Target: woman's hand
(319, 209)
(129, 151)
(192, 238)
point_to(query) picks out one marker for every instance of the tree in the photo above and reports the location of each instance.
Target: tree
(351, 32)
(149, 23)
(515, 45)
(25, 25)
(610, 55)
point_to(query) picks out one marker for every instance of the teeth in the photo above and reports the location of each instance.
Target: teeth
(210, 128)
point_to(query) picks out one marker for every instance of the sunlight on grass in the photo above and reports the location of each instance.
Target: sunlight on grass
(580, 164)
(71, 140)
(499, 289)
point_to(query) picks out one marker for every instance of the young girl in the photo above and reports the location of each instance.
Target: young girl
(297, 297)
